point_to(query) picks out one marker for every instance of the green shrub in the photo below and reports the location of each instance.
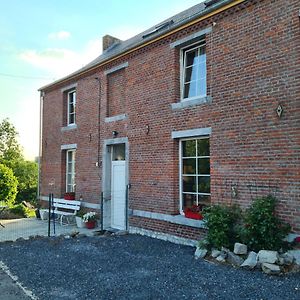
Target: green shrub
(20, 210)
(262, 228)
(8, 185)
(221, 222)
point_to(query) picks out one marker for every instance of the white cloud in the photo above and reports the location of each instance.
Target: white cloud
(60, 35)
(60, 61)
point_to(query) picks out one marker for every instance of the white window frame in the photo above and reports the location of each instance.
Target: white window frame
(181, 170)
(199, 44)
(71, 172)
(72, 92)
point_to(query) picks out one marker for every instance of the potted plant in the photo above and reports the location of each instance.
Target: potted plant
(69, 196)
(90, 219)
(194, 212)
(79, 219)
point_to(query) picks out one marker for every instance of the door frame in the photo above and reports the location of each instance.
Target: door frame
(106, 178)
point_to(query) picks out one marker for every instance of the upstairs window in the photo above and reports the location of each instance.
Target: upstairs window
(193, 71)
(71, 107)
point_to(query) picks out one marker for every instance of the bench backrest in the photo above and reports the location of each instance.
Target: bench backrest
(73, 205)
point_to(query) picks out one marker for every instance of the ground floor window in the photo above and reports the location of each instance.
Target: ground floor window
(194, 173)
(70, 171)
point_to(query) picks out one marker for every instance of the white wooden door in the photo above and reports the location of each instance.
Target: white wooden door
(118, 195)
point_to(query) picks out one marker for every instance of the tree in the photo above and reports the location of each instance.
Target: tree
(27, 174)
(11, 155)
(10, 150)
(8, 185)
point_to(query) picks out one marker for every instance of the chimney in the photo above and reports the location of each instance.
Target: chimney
(109, 40)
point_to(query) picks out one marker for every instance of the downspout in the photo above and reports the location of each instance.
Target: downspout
(42, 94)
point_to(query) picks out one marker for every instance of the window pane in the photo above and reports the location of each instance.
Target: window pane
(189, 200)
(203, 199)
(190, 74)
(189, 184)
(204, 184)
(189, 148)
(190, 89)
(203, 147)
(190, 58)
(201, 87)
(189, 166)
(203, 166)
(201, 71)
(119, 152)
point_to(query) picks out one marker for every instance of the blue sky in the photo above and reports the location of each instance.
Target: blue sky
(41, 41)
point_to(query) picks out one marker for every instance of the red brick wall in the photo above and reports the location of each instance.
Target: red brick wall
(252, 55)
(116, 93)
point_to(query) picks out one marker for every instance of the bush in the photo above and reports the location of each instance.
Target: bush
(20, 210)
(8, 185)
(262, 228)
(221, 222)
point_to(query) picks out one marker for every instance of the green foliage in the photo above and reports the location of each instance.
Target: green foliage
(11, 156)
(27, 175)
(10, 150)
(8, 185)
(21, 211)
(221, 222)
(262, 228)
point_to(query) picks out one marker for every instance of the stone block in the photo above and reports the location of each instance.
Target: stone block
(234, 259)
(270, 269)
(215, 253)
(240, 248)
(267, 256)
(251, 261)
(200, 253)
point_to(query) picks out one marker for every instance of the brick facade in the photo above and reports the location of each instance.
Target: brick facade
(252, 57)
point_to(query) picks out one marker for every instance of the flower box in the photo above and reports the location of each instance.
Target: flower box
(193, 212)
(69, 196)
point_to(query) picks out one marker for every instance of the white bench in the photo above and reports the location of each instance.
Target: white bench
(65, 208)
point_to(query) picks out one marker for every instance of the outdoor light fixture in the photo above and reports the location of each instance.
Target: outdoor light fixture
(115, 133)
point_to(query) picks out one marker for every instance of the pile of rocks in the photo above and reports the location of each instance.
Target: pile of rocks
(270, 262)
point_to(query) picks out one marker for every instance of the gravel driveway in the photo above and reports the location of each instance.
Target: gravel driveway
(133, 267)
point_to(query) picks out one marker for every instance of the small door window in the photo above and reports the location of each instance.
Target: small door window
(118, 152)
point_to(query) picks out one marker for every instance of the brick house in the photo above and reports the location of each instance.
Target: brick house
(201, 108)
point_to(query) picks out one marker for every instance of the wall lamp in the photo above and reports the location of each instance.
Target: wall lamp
(115, 133)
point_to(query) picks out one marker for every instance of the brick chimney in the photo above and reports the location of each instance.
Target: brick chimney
(109, 40)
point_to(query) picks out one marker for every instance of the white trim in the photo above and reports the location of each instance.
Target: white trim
(69, 87)
(191, 133)
(116, 68)
(68, 147)
(163, 236)
(71, 172)
(191, 37)
(115, 118)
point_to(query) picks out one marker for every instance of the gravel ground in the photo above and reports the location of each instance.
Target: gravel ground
(133, 267)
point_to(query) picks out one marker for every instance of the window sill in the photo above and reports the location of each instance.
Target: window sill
(69, 127)
(116, 118)
(177, 219)
(191, 102)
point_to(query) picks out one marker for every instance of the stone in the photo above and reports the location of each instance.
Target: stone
(222, 257)
(234, 259)
(215, 253)
(223, 249)
(296, 255)
(251, 261)
(200, 253)
(240, 248)
(267, 256)
(270, 269)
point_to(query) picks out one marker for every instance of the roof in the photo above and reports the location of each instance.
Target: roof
(152, 33)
